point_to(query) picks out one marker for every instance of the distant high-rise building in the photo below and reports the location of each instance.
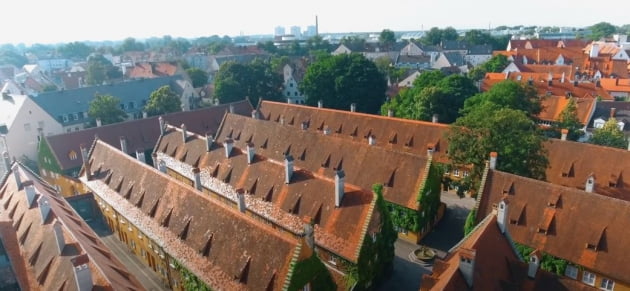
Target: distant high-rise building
(310, 31)
(296, 31)
(279, 30)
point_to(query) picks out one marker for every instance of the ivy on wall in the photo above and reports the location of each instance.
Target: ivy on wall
(190, 282)
(547, 262)
(469, 225)
(44, 151)
(314, 271)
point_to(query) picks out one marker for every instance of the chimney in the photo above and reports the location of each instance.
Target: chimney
(145, 115)
(123, 144)
(86, 162)
(339, 187)
(550, 82)
(309, 235)
(326, 130)
(434, 118)
(82, 273)
(467, 265)
(320, 104)
(209, 141)
(594, 50)
(575, 83)
(140, 156)
(162, 167)
(564, 132)
(281, 119)
(493, 160)
(371, 140)
(430, 150)
(390, 112)
(255, 114)
(534, 263)
(251, 152)
(502, 214)
(197, 174)
(232, 108)
(162, 125)
(44, 208)
(240, 200)
(562, 78)
(598, 83)
(590, 183)
(7, 161)
(99, 123)
(288, 168)
(31, 192)
(184, 133)
(228, 145)
(154, 159)
(353, 107)
(61, 242)
(612, 112)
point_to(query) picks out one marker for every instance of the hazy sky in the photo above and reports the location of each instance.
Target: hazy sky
(46, 21)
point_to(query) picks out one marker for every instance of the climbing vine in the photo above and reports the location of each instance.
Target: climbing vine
(190, 282)
(469, 225)
(547, 262)
(314, 271)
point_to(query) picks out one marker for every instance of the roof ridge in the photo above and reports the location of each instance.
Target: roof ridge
(473, 231)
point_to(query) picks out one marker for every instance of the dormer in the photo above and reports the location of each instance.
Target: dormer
(597, 240)
(615, 180)
(599, 123)
(547, 224)
(569, 170)
(508, 189)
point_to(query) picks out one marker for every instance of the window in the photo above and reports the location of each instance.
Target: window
(456, 172)
(607, 284)
(75, 116)
(27, 127)
(466, 173)
(122, 106)
(588, 278)
(65, 118)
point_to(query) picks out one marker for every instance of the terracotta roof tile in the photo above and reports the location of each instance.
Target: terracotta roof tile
(553, 106)
(541, 81)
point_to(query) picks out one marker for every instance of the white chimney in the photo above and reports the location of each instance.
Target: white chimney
(339, 187)
(562, 78)
(197, 174)
(493, 160)
(228, 145)
(82, 273)
(467, 265)
(390, 112)
(502, 214)
(309, 235)
(231, 108)
(281, 120)
(123, 144)
(44, 207)
(29, 189)
(326, 130)
(255, 114)
(240, 200)
(320, 104)
(594, 50)
(99, 123)
(162, 125)
(371, 140)
(162, 167)
(61, 242)
(288, 168)
(7, 161)
(251, 152)
(140, 156)
(590, 183)
(145, 115)
(533, 264)
(353, 107)
(430, 150)
(184, 133)
(565, 133)
(435, 118)
(209, 141)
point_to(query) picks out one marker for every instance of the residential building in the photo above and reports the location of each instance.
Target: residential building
(553, 106)
(478, 54)
(48, 65)
(22, 123)
(451, 60)
(296, 31)
(291, 91)
(281, 191)
(620, 110)
(605, 60)
(518, 44)
(59, 155)
(408, 81)
(414, 62)
(46, 245)
(618, 88)
(146, 70)
(279, 31)
(185, 235)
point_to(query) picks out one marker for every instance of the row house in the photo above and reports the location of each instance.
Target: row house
(620, 110)
(553, 106)
(192, 241)
(46, 245)
(618, 88)
(585, 229)
(515, 44)
(149, 70)
(59, 157)
(605, 60)
(278, 190)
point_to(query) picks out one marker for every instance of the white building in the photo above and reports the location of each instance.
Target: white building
(310, 31)
(296, 31)
(279, 31)
(291, 91)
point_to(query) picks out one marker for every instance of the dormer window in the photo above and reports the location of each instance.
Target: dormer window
(72, 155)
(599, 123)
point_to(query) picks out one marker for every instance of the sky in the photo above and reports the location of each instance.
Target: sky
(45, 21)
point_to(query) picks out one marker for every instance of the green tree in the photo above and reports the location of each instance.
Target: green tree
(130, 44)
(11, 57)
(495, 64)
(387, 38)
(96, 73)
(75, 50)
(477, 37)
(436, 36)
(568, 120)
(602, 29)
(255, 80)
(610, 135)
(507, 94)
(107, 109)
(199, 77)
(162, 101)
(49, 88)
(344, 79)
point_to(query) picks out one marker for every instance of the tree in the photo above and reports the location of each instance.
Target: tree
(344, 79)
(436, 36)
(99, 70)
(199, 77)
(507, 94)
(609, 135)
(495, 64)
(477, 37)
(11, 57)
(107, 109)
(162, 101)
(602, 29)
(255, 80)
(568, 120)
(75, 50)
(130, 44)
(387, 38)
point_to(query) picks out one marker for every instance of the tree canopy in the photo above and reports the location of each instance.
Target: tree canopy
(199, 77)
(602, 29)
(130, 44)
(436, 35)
(342, 80)
(496, 64)
(609, 135)
(508, 94)
(100, 70)
(107, 109)
(75, 50)
(387, 38)
(568, 120)
(162, 101)
(255, 80)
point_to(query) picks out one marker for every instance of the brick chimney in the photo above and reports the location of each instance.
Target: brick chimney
(61, 242)
(371, 140)
(228, 145)
(140, 156)
(288, 168)
(320, 104)
(493, 160)
(613, 111)
(565, 133)
(82, 273)
(390, 112)
(240, 200)
(590, 183)
(353, 107)
(162, 125)
(467, 265)
(502, 213)
(209, 141)
(44, 207)
(184, 133)
(86, 162)
(99, 123)
(339, 187)
(533, 264)
(197, 175)
(435, 118)
(251, 152)
(123, 144)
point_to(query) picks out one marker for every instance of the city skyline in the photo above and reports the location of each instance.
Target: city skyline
(71, 20)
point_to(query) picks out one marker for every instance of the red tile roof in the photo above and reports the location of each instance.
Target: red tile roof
(239, 243)
(541, 81)
(139, 134)
(152, 70)
(32, 243)
(553, 106)
(584, 228)
(616, 85)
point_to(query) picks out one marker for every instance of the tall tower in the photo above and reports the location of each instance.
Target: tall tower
(316, 26)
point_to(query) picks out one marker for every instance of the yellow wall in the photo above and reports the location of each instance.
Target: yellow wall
(619, 286)
(67, 186)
